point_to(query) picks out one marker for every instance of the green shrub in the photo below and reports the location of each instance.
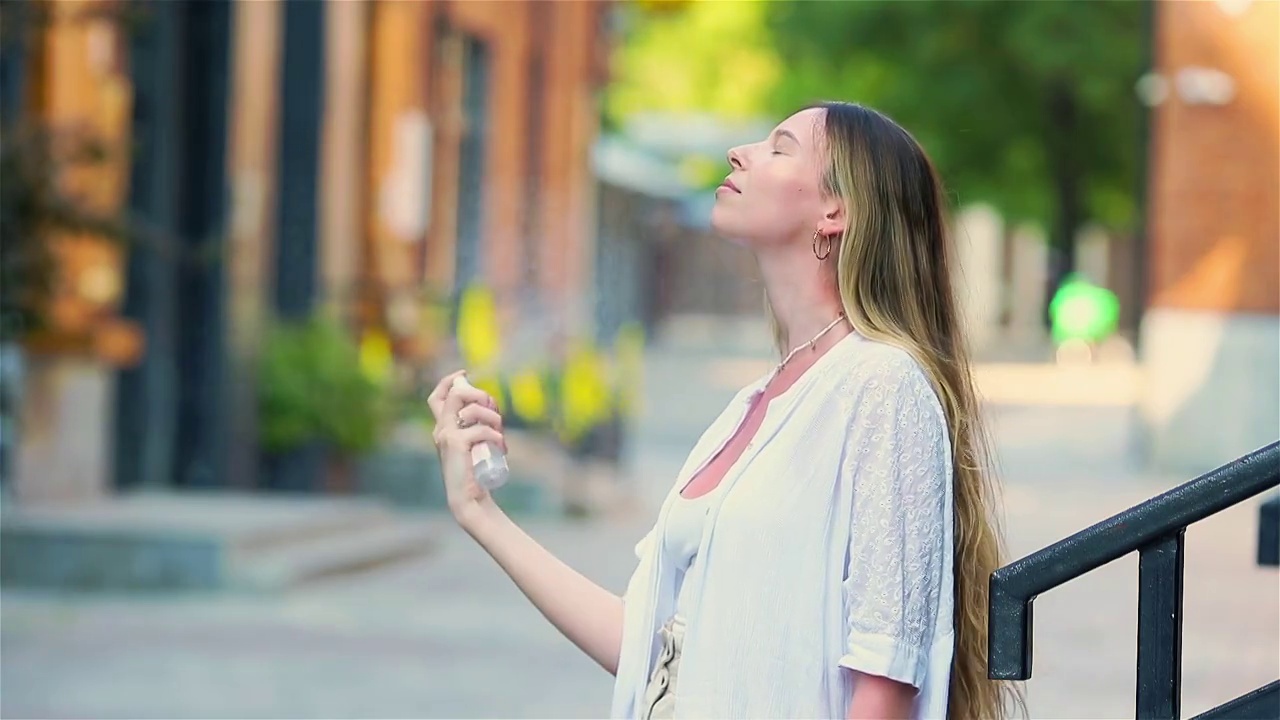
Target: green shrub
(311, 388)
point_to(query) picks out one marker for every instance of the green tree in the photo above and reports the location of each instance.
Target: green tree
(713, 57)
(1026, 105)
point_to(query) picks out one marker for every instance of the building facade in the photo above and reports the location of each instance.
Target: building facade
(1210, 340)
(352, 157)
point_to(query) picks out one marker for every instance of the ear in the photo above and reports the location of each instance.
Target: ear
(834, 217)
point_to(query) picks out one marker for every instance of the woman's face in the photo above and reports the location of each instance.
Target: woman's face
(773, 193)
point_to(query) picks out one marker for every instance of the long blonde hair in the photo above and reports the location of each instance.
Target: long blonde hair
(894, 274)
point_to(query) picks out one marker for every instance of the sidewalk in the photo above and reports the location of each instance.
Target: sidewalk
(450, 636)
(445, 637)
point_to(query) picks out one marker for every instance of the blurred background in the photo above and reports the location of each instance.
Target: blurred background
(242, 240)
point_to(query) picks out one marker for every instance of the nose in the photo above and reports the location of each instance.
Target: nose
(736, 155)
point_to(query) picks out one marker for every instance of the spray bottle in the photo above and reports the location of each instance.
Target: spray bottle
(490, 464)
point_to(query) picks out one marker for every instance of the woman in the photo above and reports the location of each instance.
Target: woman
(825, 551)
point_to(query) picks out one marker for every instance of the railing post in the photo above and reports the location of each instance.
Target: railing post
(1009, 633)
(1160, 574)
(1269, 532)
(1156, 529)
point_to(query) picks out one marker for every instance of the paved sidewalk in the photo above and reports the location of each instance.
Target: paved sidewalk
(450, 636)
(447, 637)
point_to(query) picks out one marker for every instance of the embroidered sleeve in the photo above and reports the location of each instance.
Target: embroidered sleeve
(897, 460)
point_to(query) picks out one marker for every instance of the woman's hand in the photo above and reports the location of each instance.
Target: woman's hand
(465, 417)
(587, 614)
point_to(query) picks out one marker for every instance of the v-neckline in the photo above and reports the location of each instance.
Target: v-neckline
(757, 403)
(759, 406)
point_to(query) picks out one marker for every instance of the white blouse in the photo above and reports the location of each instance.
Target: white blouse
(686, 524)
(827, 547)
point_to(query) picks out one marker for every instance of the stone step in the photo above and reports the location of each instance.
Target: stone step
(341, 553)
(541, 485)
(358, 516)
(197, 541)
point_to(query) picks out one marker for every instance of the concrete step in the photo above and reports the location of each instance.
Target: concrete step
(408, 477)
(340, 553)
(339, 520)
(198, 541)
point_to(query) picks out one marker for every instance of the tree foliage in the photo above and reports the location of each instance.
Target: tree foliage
(311, 388)
(1012, 99)
(1017, 102)
(712, 57)
(36, 208)
(37, 204)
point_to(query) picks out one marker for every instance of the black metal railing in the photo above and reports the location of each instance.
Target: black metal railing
(1156, 530)
(1269, 532)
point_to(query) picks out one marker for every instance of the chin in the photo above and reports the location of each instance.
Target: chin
(726, 229)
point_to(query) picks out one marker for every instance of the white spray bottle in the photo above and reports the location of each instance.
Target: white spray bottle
(490, 464)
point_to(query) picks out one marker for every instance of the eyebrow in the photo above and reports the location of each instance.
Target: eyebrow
(781, 133)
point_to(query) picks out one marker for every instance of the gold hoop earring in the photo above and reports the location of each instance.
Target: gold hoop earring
(817, 235)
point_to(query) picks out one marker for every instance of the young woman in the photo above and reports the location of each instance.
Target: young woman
(826, 549)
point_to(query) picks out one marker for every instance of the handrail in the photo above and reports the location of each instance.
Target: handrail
(1154, 528)
(1260, 703)
(1142, 524)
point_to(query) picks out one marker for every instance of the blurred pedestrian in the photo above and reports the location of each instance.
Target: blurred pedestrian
(825, 551)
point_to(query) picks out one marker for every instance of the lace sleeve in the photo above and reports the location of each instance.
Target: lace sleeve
(897, 460)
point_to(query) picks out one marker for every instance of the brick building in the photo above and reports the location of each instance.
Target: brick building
(1211, 332)
(350, 154)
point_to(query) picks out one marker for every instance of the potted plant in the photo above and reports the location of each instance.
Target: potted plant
(404, 470)
(318, 410)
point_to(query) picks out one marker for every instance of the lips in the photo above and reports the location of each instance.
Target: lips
(729, 184)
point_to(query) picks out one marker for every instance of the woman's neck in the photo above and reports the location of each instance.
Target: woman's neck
(802, 295)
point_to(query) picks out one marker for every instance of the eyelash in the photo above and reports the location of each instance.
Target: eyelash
(776, 152)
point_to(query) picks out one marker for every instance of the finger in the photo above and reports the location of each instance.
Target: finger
(460, 397)
(436, 399)
(467, 438)
(479, 414)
